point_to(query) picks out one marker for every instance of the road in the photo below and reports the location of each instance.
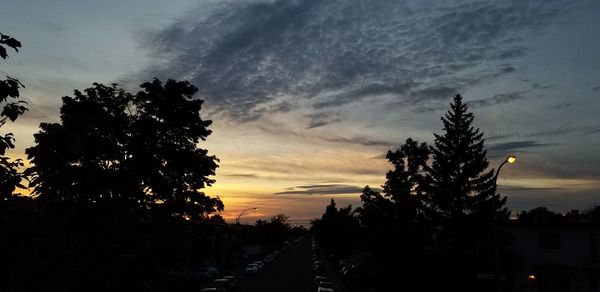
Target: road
(291, 272)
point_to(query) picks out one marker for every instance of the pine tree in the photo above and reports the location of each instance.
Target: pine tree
(462, 190)
(462, 182)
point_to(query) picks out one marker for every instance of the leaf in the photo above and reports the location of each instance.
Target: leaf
(13, 43)
(3, 52)
(13, 111)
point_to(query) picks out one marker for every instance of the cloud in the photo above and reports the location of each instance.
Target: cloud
(321, 119)
(596, 89)
(244, 55)
(380, 156)
(360, 140)
(280, 130)
(498, 137)
(502, 149)
(322, 189)
(540, 86)
(242, 175)
(37, 113)
(496, 99)
(562, 105)
(595, 131)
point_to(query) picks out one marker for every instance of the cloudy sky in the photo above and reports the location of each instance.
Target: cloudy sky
(307, 96)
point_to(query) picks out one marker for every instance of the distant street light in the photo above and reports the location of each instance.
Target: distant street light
(510, 159)
(238, 218)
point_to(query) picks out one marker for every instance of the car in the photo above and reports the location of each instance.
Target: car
(252, 269)
(260, 264)
(269, 258)
(233, 279)
(325, 284)
(324, 289)
(317, 263)
(223, 284)
(319, 270)
(211, 289)
(205, 272)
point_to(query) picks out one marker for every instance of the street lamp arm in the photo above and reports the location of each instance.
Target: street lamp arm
(497, 173)
(237, 221)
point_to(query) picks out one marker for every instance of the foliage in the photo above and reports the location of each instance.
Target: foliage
(135, 149)
(12, 108)
(462, 195)
(273, 230)
(337, 229)
(432, 223)
(407, 182)
(541, 215)
(394, 224)
(68, 246)
(461, 183)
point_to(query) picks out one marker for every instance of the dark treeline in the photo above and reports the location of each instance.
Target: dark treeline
(116, 197)
(431, 228)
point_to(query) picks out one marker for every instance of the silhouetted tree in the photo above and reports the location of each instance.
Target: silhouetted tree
(540, 215)
(12, 108)
(217, 218)
(407, 182)
(462, 191)
(274, 230)
(138, 150)
(337, 229)
(395, 228)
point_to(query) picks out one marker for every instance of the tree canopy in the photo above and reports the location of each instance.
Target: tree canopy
(12, 108)
(134, 149)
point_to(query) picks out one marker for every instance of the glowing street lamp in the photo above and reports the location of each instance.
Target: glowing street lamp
(509, 159)
(238, 218)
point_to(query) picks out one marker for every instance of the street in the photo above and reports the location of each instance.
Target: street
(292, 272)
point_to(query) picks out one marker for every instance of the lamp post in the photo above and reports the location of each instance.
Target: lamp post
(509, 159)
(238, 218)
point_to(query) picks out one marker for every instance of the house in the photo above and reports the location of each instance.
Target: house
(556, 256)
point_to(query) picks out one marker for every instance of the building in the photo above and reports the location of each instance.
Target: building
(555, 256)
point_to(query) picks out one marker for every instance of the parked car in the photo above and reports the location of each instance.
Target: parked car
(260, 264)
(252, 269)
(269, 258)
(205, 272)
(232, 279)
(319, 279)
(325, 284)
(319, 270)
(223, 284)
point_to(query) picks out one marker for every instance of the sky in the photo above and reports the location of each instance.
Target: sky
(307, 96)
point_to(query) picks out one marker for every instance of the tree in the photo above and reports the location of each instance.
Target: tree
(394, 223)
(275, 230)
(462, 190)
(336, 230)
(407, 182)
(138, 150)
(12, 108)
(541, 215)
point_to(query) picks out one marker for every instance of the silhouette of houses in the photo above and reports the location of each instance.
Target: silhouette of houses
(556, 256)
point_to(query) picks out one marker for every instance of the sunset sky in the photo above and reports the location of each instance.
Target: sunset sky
(306, 96)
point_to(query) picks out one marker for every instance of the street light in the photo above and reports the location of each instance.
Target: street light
(238, 218)
(510, 159)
